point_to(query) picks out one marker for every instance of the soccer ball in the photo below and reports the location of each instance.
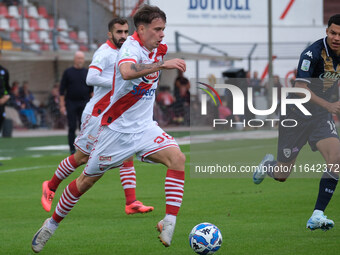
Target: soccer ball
(205, 238)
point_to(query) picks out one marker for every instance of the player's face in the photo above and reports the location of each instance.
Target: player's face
(119, 34)
(153, 33)
(333, 37)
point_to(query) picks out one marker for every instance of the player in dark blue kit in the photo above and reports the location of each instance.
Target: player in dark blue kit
(318, 72)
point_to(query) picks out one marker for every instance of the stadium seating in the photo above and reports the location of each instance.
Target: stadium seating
(32, 12)
(73, 35)
(34, 36)
(26, 25)
(82, 35)
(43, 12)
(34, 25)
(14, 24)
(38, 26)
(13, 11)
(74, 47)
(25, 12)
(4, 12)
(44, 37)
(15, 37)
(43, 24)
(62, 25)
(4, 25)
(63, 46)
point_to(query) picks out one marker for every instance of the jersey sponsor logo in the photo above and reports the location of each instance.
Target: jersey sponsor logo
(125, 52)
(105, 158)
(305, 65)
(287, 152)
(138, 91)
(151, 78)
(295, 149)
(329, 75)
(309, 54)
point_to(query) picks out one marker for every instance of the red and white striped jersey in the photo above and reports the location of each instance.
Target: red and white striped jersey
(131, 107)
(104, 60)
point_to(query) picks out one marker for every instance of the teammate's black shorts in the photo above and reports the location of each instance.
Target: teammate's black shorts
(292, 139)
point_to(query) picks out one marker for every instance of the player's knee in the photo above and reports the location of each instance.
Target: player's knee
(178, 159)
(333, 159)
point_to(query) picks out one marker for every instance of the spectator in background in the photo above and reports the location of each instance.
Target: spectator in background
(26, 113)
(255, 83)
(53, 107)
(29, 100)
(277, 84)
(165, 102)
(182, 103)
(4, 92)
(26, 95)
(74, 95)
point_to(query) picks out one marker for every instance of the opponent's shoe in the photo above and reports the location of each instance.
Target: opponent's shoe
(166, 229)
(47, 196)
(319, 220)
(260, 173)
(41, 237)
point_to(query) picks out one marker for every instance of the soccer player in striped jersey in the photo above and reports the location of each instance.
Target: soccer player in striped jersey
(128, 127)
(100, 75)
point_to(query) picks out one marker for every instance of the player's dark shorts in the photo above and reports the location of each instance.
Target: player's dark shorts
(292, 139)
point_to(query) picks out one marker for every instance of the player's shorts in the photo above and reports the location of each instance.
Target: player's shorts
(88, 133)
(112, 148)
(292, 139)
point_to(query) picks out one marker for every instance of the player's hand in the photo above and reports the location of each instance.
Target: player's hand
(334, 107)
(63, 110)
(175, 63)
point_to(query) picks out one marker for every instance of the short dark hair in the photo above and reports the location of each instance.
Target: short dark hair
(147, 13)
(117, 20)
(334, 19)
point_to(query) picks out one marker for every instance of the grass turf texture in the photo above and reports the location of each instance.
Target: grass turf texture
(266, 219)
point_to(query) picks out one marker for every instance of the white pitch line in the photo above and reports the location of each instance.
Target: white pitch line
(24, 169)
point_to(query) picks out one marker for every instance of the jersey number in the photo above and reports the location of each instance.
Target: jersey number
(160, 139)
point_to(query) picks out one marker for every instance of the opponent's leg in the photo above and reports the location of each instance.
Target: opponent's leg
(330, 150)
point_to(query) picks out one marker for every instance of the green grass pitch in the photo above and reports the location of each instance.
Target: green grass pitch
(266, 219)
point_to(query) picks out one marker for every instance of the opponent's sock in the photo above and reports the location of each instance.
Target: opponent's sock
(128, 180)
(271, 165)
(327, 186)
(65, 168)
(67, 201)
(174, 188)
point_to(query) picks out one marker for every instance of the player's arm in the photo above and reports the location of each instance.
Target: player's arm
(131, 70)
(330, 107)
(4, 99)
(94, 78)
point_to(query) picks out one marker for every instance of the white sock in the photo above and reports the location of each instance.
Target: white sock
(171, 218)
(317, 212)
(52, 224)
